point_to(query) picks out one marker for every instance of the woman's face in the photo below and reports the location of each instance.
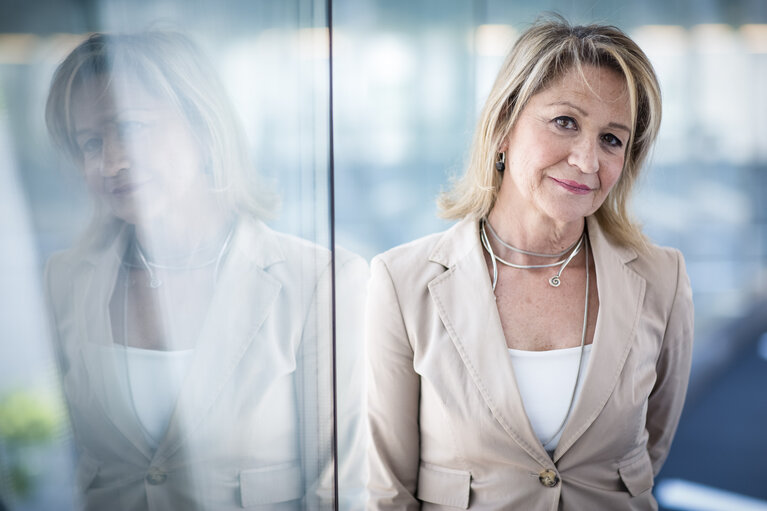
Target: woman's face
(139, 155)
(567, 148)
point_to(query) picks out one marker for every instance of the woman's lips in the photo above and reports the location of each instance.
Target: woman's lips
(123, 189)
(573, 186)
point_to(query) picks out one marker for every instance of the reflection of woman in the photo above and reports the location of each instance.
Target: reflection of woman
(189, 332)
(535, 355)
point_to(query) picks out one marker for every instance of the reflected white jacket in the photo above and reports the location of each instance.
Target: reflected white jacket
(252, 426)
(447, 423)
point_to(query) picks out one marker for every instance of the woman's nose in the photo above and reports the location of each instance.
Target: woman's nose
(114, 156)
(584, 156)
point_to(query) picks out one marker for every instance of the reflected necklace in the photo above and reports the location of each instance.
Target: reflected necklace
(150, 266)
(554, 281)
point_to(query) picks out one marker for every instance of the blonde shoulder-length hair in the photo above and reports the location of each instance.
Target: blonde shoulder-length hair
(170, 66)
(541, 55)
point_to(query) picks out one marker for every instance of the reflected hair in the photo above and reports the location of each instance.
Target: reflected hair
(544, 53)
(170, 66)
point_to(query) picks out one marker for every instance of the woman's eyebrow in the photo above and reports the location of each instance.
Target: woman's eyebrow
(584, 113)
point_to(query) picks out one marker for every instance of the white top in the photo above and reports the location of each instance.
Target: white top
(150, 382)
(545, 380)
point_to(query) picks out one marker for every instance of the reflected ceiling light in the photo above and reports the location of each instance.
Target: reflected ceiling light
(662, 39)
(713, 38)
(494, 40)
(755, 37)
(390, 60)
(17, 48)
(314, 43)
(58, 46)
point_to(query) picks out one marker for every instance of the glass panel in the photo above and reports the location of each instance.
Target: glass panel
(182, 216)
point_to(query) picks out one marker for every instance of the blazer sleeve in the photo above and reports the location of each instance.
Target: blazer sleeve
(393, 398)
(673, 371)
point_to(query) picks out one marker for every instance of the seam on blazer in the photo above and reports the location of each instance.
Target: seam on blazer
(678, 256)
(618, 369)
(300, 385)
(399, 303)
(458, 453)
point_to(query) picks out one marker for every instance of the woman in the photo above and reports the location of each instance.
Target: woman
(535, 356)
(189, 333)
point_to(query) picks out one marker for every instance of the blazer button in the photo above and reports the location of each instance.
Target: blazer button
(156, 476)
(548, 478)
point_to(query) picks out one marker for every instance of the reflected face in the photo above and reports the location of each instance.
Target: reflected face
(139, 155)
(567, 148)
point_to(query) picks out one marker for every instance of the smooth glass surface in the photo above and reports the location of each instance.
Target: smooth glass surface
(177, 352)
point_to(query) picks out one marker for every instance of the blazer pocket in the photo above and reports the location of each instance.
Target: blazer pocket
(444, 486)
(272, 484)
(636, 473)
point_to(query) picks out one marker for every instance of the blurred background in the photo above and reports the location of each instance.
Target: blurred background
(409, 78)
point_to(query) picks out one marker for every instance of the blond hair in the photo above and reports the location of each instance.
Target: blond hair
(169, 65)
(541, 55)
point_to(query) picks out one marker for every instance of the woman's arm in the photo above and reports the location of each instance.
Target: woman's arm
(673, 370)
(393, 398)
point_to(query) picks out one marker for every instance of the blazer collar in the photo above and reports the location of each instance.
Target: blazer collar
(253, 238)
(621, 295)
(465, 301)
(243, 299)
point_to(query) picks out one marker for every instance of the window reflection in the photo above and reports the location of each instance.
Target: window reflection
(194, 341)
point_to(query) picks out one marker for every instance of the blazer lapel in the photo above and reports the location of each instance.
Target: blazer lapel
(93, 292)
(465, 301)
(244, 297)
(621, 294)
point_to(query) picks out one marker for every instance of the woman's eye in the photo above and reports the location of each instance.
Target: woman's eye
(92, 145)
(566, 122)
(612, 140)
(128, 128)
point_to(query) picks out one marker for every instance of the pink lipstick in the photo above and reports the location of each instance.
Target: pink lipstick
(573, 186)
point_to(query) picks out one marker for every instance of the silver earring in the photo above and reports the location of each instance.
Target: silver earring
(500, 164)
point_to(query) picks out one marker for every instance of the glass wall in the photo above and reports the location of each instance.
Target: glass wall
(167, 321)
(175, 339)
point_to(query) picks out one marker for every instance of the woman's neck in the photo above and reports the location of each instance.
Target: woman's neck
(174, 238)
(532, 232)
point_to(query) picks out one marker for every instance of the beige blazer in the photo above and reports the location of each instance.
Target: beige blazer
(252, 426)
(447, 423)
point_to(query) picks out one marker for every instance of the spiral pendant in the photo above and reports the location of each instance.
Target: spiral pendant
(554, 281)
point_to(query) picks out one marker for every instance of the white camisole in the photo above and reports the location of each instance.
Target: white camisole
(150, 382)
(545, 380)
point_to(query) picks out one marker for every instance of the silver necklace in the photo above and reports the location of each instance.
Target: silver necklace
(150, 266)
(579, 244)
(554, 280)
(526, 252)
(154, 283)
(580, 357)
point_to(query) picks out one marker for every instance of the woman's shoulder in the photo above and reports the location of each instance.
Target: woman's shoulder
(294, 254)
(657, 262)
(653, 262)
(429, 254)
(99, 240)
(665, 272)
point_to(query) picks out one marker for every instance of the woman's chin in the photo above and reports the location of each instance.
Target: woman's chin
(135, 213)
